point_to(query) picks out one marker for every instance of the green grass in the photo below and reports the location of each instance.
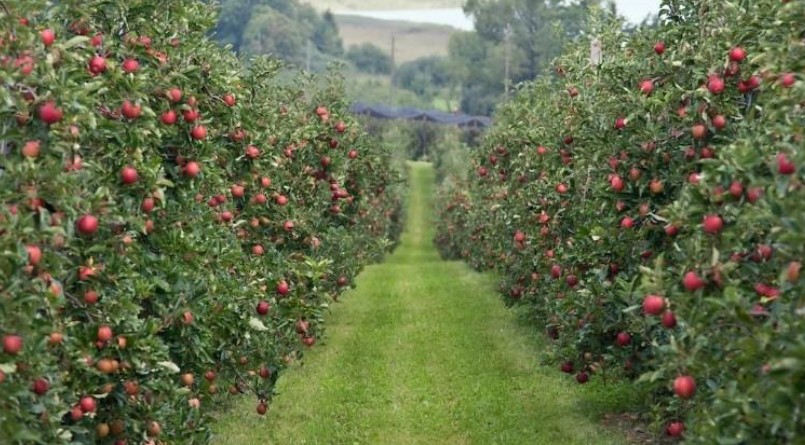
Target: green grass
(411, 40)
(377, 5)
(424, 352)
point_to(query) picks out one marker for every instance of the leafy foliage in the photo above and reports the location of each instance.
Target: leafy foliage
(173, 226)
(369, 58)
(281, 28)
(649, 213)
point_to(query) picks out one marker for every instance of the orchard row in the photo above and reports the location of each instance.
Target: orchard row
(173, 225)
(650, 211)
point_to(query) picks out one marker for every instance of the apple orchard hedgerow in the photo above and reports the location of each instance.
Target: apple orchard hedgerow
(171, 233)
(683, 224)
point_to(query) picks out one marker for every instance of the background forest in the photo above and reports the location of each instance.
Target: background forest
(432, 66)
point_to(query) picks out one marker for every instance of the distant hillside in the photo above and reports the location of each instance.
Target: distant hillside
(378, 5)
(412, 40)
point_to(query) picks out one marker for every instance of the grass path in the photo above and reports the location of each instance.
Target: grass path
(422, 352)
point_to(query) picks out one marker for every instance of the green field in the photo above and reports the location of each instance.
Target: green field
(412, 40)
(424, 352)
(372, 5)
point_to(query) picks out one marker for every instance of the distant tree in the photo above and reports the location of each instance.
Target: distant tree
(477, 65)
(326, 36)
(424, 76)
(270, 32)
(369, 58)
(232, 19)
(279, 27)
(529, 25)
(522, 32)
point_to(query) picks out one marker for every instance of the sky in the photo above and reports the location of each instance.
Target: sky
(636, 10)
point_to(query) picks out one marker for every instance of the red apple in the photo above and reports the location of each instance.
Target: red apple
(302, 326)
(784, 165)
(87, 224)
(617, 183)
(148, 205)
(698, 131)
(675, 429)
(12, 344)
(40, 386)
(34, 254)
(669, 319)
(229, 100)
(174, 95)
(50, 114)
(656, 186)
(192, 169)
(684, 386)
(792, 272)
(582, 377)
(104, 333)
(198, 133)
(31, 149)
(754, 194)
(87, 404)
(283, 288)
(627, 222)
(653, 304)
(252, 152)
(646, 87)
(736, 189)
(130, 66)
(90, 297)
(130, 110)
(47, 36)
(715, 85)
(719, 122)
(712, 224)
(788, 80)
(128, 175)
(567, 367)
(737, 54)
(659, 48)
(623, 339)
(263, 307)
(556, 271)
(97, 65)
(168, 117)
(191, 115)
(692, 282)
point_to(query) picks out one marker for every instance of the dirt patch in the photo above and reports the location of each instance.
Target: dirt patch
(637, 430)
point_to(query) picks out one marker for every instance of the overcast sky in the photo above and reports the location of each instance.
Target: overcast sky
(636, 10)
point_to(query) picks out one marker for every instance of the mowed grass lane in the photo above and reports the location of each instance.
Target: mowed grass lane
(423, 352)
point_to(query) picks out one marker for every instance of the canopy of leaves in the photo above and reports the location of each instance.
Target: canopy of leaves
(283, 28)
(369, 58)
